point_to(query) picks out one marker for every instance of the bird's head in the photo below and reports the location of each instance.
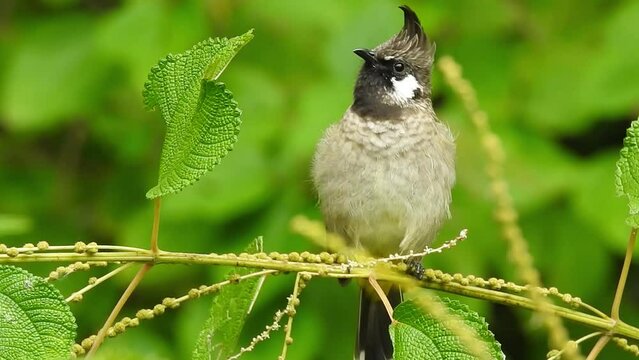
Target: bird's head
(396, 74)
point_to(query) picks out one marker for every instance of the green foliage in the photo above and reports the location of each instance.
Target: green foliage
(35, 321)
(418, 335)
(627, 174)
(202, 119)
(218, 339)
(32, 103)
(11, 225)
(558, 80)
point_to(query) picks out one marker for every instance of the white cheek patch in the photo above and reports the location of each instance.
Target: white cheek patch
(404, 89)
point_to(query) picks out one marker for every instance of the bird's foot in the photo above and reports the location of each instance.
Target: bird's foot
(415, 269)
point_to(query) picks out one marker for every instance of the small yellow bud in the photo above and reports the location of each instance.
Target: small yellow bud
(119, 327)
(87, 343)
(12, 252)
(92, 247)
(144, 314)
(78, 349)
(159, 308)
(80, 247)
(29, 247)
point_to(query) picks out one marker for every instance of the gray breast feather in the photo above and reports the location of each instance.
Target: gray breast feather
(385, 185)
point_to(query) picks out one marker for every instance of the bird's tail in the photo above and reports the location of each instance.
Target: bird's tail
(373, 338)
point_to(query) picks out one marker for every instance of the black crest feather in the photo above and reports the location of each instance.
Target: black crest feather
(412, 27)
(411, 42)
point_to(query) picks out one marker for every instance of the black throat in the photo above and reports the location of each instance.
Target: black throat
(369, 107)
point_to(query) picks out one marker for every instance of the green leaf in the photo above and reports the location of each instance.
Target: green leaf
(202, 119)
(35, 321)
(419, 336)
(627, 174)
(230, 307)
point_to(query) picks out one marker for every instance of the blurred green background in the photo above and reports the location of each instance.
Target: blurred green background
(78, 151)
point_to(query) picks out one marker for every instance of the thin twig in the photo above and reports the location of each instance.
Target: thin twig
(382, 296)
(116, 310)
(98, 281)
(557, 354)
(133, 284)
(156, 226)
(288, 339)
(54, 248)
(176, 302)
(599, 345)
(616, 304)
(463, 235)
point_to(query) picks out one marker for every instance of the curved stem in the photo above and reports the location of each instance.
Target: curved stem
(118, 307)
(578, 341)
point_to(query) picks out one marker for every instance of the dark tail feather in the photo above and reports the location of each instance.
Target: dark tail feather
(373, 339)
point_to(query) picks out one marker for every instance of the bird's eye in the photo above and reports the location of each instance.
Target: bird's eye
(399, 67)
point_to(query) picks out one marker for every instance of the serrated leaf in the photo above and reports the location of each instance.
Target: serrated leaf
(202, 119)
(417, 335)
(228, 312)
(627, 173)
(35, 321)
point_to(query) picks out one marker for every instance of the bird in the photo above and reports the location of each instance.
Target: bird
(384, 173)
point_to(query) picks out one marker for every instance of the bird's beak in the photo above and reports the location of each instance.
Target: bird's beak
(367, 55)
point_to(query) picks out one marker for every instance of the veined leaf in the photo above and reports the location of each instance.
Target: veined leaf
(202, 119)
(35, 321)
(627, 174)
(417, 335)
(230, 307)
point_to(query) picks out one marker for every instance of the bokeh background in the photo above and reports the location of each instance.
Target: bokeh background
(558, 79)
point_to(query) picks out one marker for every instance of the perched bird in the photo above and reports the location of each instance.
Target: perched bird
(384, 173)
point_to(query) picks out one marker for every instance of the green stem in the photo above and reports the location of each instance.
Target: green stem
(616, 304)
(326, 270)
(599, 345)
(98, 281)
(156, 226)
(512, 300)
(118, 307)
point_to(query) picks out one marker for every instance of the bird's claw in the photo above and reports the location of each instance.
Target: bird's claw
(415, 269)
